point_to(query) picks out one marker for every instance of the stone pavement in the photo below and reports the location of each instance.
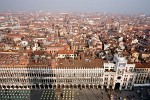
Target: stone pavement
(133, 94)
(91, 94)
(85, 94)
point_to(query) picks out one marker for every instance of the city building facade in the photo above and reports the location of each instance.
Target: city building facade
(118, 74)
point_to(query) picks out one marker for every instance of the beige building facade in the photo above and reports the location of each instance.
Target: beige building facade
(115, 75)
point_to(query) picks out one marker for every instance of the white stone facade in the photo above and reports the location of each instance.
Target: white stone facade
(117, 74)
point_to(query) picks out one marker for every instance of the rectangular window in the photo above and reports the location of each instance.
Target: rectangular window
(125, 79)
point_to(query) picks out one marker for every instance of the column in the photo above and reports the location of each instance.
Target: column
(108, 86)
(113, 87)
(102, 87)
(120, 88)
(126, 87)
(131, 87)
(52, 86)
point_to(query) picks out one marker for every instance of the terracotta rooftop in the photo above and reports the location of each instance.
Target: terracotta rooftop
(20, 60)
(142, 65)
(65, 52)
(81, 63)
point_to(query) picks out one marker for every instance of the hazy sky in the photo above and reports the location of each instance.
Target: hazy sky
(113, 6)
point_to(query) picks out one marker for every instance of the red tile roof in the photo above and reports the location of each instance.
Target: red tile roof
(65, 52)
(142, 65)
(80, 63)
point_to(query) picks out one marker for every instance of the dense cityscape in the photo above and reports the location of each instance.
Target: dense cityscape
(45, 50)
